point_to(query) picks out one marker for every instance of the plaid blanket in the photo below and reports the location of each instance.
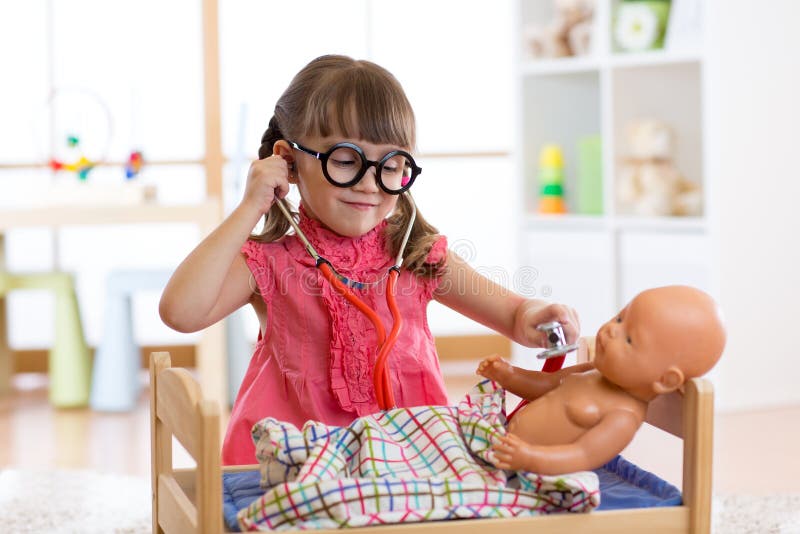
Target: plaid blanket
(403, 465)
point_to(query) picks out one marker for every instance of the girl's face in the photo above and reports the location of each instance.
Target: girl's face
(351, 211)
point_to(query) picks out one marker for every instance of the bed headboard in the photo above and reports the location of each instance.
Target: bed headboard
(688, 414)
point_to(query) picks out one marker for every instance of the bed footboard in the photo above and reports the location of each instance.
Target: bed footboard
(177, 408)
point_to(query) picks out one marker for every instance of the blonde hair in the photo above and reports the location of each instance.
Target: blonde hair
(360, 100)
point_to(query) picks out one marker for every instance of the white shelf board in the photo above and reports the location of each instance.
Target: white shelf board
(660, 224)
(564, 65)
(654, 58)
(571, 222)
(595, 63)
(205, 213)
(535, 221)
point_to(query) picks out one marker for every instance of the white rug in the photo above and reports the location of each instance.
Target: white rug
(747, 514)
(87, 502)
(73, 501)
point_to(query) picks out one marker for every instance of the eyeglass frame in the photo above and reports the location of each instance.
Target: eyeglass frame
(365, 165)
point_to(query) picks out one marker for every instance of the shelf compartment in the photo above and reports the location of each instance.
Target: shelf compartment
(557, 110)
(671, 93)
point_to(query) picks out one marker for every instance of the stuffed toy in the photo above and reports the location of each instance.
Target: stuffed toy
(648, 183)
(569, 33)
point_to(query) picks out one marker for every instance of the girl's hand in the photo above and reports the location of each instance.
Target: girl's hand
(534, 313)
(266, 179)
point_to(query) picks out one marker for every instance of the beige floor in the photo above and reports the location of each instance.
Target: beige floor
(753, 452)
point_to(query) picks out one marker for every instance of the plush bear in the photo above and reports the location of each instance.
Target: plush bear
(648, 183)
(569, 33)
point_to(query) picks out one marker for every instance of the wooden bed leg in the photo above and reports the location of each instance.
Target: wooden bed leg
(160, 444)
(698, 443)
(209, 472)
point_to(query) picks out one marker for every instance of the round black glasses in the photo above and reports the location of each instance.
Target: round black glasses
(344, 164)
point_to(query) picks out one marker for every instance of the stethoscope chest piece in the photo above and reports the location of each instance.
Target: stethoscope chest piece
(556, 341)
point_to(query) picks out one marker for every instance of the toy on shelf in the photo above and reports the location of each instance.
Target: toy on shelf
(648, 182)
(589, 199)
(134, 164)
(74, 132)
(641, 25)
(81, 167)
(569, 32)
(582, 416)
(551, 180)
(80, 130)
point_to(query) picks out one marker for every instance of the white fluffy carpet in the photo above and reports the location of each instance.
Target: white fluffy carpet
(73, 501)
(746, 514)
(82, 501)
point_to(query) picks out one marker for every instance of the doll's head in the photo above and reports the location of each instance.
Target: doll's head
(660, 339)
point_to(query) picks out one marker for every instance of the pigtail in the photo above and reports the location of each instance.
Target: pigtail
(275, 224)
(423, 236)
(271, 135)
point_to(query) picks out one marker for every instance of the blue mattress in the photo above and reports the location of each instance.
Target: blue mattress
(622, 485)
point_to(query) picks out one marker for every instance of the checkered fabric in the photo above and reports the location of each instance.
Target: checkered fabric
(399, 466)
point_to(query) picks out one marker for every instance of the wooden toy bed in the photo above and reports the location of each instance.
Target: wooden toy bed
(190, 500)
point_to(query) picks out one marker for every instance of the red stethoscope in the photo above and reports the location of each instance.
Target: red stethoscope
(342, 284)
(553, 356)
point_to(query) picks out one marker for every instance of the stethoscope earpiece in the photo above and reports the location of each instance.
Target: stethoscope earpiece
(556, 341)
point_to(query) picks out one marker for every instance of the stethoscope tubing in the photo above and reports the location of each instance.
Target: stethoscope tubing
(383, 388)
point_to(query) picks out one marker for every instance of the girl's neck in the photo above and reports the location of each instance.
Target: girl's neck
(346, 252)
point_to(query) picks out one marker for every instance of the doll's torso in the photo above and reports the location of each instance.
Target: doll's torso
(565, 413)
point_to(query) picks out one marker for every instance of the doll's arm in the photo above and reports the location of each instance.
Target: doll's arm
(596, 447)
(521, 382)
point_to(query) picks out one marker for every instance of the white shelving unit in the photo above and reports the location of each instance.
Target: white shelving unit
(596, 263)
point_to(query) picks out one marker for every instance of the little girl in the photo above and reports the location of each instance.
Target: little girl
(342, 132)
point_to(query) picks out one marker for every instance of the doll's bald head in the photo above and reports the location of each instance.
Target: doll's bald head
(688, 324)
(663, 337)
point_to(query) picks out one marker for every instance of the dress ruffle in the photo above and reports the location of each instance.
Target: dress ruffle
(354, 341)
(262, 282)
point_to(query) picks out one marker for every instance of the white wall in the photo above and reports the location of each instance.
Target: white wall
(755, 110)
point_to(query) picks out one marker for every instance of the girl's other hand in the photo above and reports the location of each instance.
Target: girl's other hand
(538, 312)
(266, 179)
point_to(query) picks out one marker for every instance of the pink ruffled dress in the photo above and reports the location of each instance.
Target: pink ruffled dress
(315, 360)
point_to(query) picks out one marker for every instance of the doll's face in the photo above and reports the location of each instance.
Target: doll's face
(630, 349)
(664, 336)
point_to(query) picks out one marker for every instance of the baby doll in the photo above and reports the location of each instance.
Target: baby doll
(580, 417)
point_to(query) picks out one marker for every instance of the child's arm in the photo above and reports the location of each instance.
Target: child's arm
(214, 280)
(468, 292)
(596, 447)
(525, 383)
